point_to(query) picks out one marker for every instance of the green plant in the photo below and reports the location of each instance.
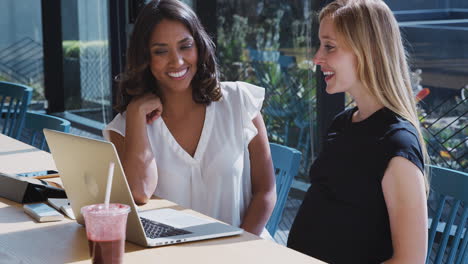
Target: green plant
(71, 49)
(232, 48)
(250, 49)
(299, 31)
(268, 34)
(75, 48)
(447, 143)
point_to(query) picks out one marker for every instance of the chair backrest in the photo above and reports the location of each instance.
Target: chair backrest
(286, 162)
(34, 124)
(284, 61)
(448, 237)
(14, 100)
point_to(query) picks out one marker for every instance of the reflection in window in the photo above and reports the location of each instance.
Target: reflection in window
(437, 41)
(268, 44)
(87, 80)
(21, 54)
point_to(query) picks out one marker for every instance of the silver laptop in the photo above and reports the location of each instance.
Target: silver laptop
(83, 164)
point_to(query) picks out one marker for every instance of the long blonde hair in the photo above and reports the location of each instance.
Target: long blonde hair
(370, 30)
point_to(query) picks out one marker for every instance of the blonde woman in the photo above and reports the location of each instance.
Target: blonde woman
(367, 201)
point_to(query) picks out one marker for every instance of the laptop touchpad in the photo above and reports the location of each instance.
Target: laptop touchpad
(174, 218)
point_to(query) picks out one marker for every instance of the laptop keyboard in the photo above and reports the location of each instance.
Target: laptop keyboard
(154, 229)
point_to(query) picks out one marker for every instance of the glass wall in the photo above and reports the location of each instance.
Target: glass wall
(86, 61)
(189, 3)
(21, 53)
(437, 40)
(267, 43)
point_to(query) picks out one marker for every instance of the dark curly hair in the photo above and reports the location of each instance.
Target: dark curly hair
(137, 78)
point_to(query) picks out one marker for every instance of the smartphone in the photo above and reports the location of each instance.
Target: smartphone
(37, 173)
(42, 212)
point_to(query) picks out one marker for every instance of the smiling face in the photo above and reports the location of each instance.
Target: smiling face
(174, 56)
(337, 62)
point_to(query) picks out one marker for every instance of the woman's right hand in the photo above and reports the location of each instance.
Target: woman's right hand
(148, 105)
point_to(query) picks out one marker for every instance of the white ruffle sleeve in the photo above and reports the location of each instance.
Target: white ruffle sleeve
(252, 97)
(117, 125)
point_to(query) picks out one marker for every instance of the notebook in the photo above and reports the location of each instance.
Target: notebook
(83, 163)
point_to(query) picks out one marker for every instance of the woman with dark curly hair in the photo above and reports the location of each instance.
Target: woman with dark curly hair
(184, 136)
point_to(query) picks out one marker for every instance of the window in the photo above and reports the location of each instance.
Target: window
(86, 65)
(437, 41)
(21, 52)
(268, 44)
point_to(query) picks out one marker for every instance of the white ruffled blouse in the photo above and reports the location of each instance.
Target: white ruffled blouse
(216, 181)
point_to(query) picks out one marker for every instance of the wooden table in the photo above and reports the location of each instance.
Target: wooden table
(18, 157)
(21, 238)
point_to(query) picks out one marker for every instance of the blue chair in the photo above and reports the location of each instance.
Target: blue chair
(286, 164)
(284, 61)
(448, 237)
(14, 101)
(34, 124)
